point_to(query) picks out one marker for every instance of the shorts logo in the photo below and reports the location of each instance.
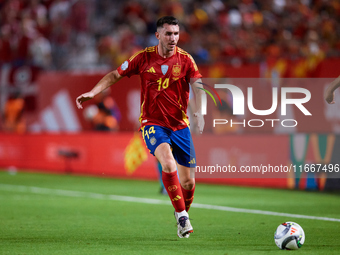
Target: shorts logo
(176, 70)
(153, 140)
(172, 188)
(125, 65)
(193, 161)
(164, 69)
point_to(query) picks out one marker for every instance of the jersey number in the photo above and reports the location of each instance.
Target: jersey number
(163, 83)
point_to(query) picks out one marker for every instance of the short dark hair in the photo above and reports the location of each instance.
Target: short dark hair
(167, 20)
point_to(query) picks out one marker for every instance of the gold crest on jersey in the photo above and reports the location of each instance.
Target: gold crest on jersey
(176, 70)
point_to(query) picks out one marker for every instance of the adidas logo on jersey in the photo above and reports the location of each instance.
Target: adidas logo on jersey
(151, 70)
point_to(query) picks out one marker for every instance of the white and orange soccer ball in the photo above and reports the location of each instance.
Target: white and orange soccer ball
(289, 236)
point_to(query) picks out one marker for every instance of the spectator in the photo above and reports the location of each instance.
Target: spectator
(14, 108)
(233, 32)
(41, 52)
(105, 114)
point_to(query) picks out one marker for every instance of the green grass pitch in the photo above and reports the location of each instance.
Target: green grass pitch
(66, 214)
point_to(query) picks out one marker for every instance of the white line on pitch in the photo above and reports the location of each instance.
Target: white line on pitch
(70, 193)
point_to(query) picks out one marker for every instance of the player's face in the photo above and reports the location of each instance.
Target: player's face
(168, 37)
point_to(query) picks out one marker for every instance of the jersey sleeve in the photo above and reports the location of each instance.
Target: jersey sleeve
(131, 66)
(192, 69)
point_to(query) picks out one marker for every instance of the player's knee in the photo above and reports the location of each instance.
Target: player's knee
(188, 184)
(168, 166)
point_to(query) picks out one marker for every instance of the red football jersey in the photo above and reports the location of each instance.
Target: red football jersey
(164, 86)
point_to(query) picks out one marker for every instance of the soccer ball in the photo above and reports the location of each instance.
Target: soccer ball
(289, 236)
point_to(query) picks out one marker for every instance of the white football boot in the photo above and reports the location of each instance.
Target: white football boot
(184, 227)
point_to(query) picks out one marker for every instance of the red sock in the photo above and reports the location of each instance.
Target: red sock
(188, 197)
(172, 186)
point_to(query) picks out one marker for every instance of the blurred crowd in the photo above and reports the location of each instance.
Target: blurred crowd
(93, 35)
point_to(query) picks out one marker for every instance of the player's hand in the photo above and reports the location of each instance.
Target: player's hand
(200, 121)
(329, 96)
(82, 98)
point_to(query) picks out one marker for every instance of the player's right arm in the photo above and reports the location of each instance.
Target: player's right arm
(329, 93)
(128, 68)
(108, 80)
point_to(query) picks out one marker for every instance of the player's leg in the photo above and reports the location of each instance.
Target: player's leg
(157, 139)
(187, 180)
(169, 176)
(188, 187)
(184, 154)
(173, 187)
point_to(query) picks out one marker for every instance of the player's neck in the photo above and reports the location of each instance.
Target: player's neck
(164, 53)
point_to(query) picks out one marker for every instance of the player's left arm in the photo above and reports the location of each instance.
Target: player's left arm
(199, 93)
(197, 88)
(329, 93)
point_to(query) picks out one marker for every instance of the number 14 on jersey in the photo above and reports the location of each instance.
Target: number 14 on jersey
(163, 83)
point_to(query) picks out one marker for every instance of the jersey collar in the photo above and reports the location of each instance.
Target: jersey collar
(175, 51)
